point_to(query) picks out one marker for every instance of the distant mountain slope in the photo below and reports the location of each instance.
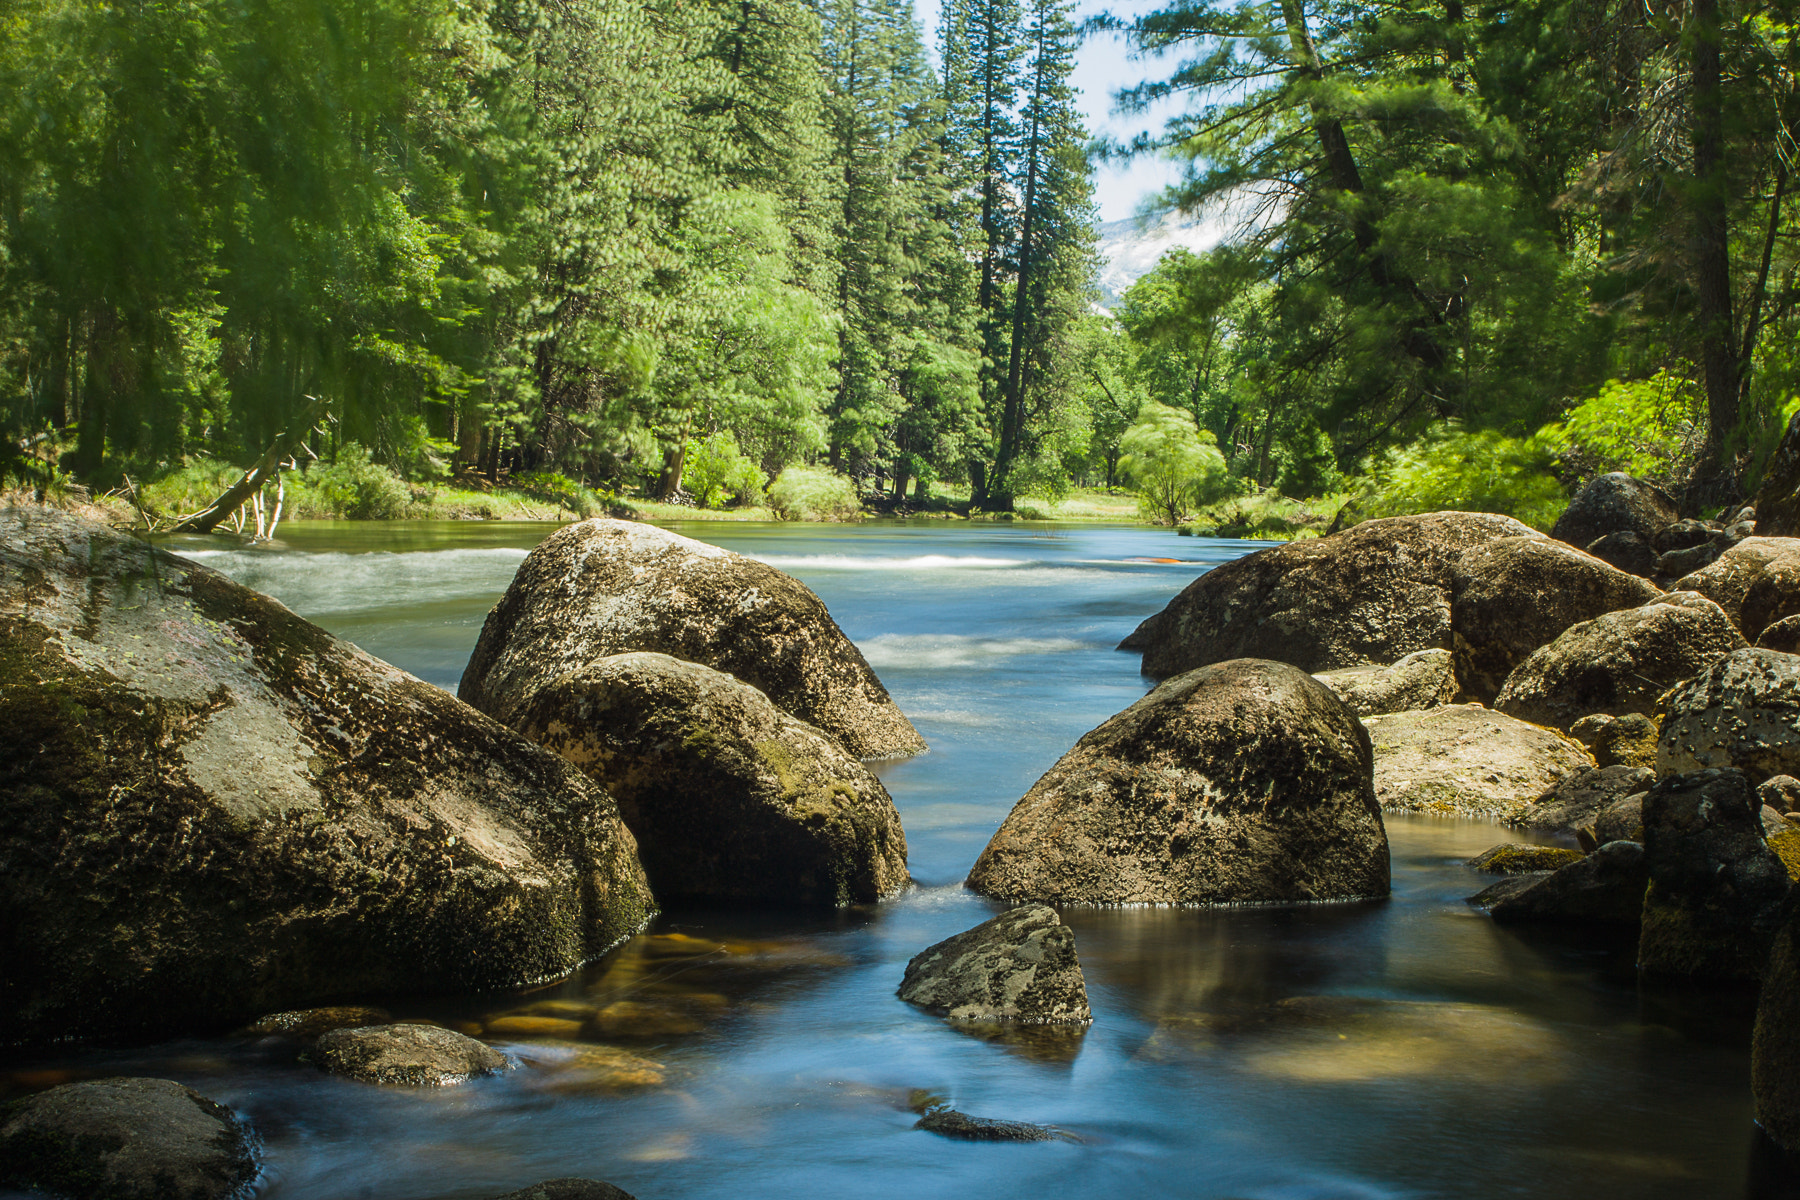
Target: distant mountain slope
(1130, 248)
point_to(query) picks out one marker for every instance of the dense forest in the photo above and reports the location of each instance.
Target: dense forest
(681, 247)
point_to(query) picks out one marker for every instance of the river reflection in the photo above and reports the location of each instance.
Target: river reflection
(1407, 1048)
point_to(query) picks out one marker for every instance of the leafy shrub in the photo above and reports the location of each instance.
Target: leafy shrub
(1651, 428)
(814, 494)
(188, 488)
(581, 501)
(1174, 466)
(716, 471)
(1472, 470)
(359, 488)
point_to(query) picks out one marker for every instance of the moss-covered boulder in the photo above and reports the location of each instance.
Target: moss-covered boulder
(607, 587)
(568, 1189)
(729, 796)
(125, 1139)
(1623, 741)
(1743, 711)
(1463, 760)
(1019, 966)
(1716, 889)
(1242, 782)
(210, 808)
(1372, 594)
(1512, 595)
(1619, 663)
(1519, 858)
(1423, 679)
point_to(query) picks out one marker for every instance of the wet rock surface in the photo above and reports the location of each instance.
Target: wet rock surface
(1423, 679)
(1619, 663)
(1021, 966)
(1372, 594)
(1716, 889)
(605, 587)
(1741, 712)
(1245, 781)
(1513, 595)
(284, 818)
(405, 1055)
(950, 1123)
(1605, 887)
(125, 1139)
(729, 796)
(1614, 503)
(1463, 760)
(1580, 799)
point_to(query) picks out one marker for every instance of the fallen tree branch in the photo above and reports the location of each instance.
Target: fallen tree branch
(252, 483)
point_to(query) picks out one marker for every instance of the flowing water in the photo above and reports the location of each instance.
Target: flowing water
(1402, 1049)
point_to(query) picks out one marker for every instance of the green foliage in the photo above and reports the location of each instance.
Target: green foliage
(355, 486)
(814, 494)
(718, 472)
(1174, 467)
(1471, 470)
(1651, 428)
(582, 501)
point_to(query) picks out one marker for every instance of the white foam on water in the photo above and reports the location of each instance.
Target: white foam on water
(312, 584)
(939, 651)
(861, 562)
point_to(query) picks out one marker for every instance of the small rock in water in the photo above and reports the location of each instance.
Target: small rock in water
(1606, 887)
(1020, 966)
(125, 1139)
(311, 1022)
(569, 1189)
(409, 1055)
(951, 1123)
(1517, 858)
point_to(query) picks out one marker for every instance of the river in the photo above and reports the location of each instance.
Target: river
(1345, 1052)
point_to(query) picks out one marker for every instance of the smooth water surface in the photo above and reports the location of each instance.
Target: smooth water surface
(1402, 1049)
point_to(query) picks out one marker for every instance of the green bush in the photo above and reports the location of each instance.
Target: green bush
(582, 501)
(1651, 428)
(716, 471)
(357, 487)
(1471, 470)
(1174, 466)
(814, 494)
(188, 488)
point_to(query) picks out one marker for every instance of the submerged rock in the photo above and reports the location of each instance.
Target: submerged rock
(215, 809)
(1245, 781)
(1619, 663)
(1614, 503)
(1372, 594)
(1716, 889)
(408, 1055)
(125, 1139)
(1743, 712)
(1423, 679)
(1019, 966)
(1518, 858)
(1513, 595)
(605, 587)
(951, 1123)
(1605, 887)
(1579, 799)
(1623, 741)
(730, 797)
(569, 1189)
(1463, 760)
(311, 1022)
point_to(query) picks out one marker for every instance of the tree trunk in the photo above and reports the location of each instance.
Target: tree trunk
(1709, 196)
(252, 483)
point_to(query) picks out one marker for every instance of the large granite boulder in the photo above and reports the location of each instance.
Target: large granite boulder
(210, 808)
(1423, 679)
(1716, 889)
(1246, 781)
(1727, 580)
(1372, 594)
(729, 796)
(1629, 552)
(1782, 635)
(405, 1055)
(125, 1139)
(1619, 663)
(1578, 800)
(1743, 711)
(1775, 1048)
(1513, 595)
(1463, 760)
(606, 587)
(1614, 503)
(1606, 888)
(1019, 966)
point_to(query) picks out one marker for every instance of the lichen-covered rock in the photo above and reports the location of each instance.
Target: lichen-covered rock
(1684, 535)
(1605, 887)
(1621, 821)
(1423, 679)
(1372, 594)
(1742, 712)
(568, 1189)
(1679, 564)
(406, 1055)
(1019, 966)
(1579, 799)
(1775, 1047)
(1782, 635)
(1628, 740)
(1619, 663)
(1517, 858)
(210, 808)
(1629, 552)
(1463, 760)
(1242, 782)
(1727, 580)
(1613, 503)
(1774, 593)
(1716, 889)
(606, 587)
(950, 1123)
(729, 796)
(125, 1139)
(1513, 595)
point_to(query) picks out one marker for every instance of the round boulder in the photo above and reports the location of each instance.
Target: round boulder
(1463, 760)
(1623, 741)
(1372, 594)
(1743, 711)
(214, 809)
(1578, 800)
(1629, 552)
(1019, 966)
(1423, 679)
(729, 796)
(125, 1139)
(1246, 781)
(1619, 663)
(1782, 635)
(407, 1055)
(1727, 579)
(1614, 503)
(606, 587)
(1513, 595)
